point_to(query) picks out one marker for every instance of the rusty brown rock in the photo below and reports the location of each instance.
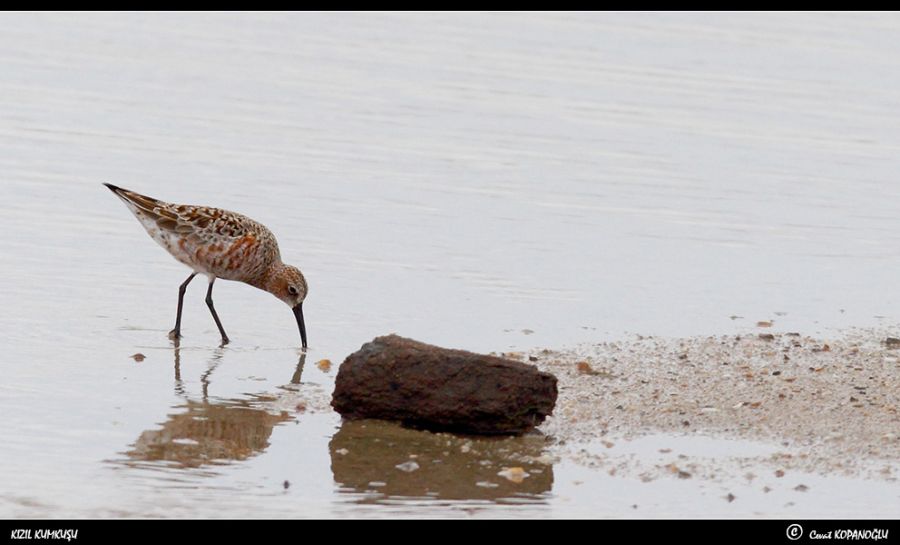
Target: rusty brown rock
(425, 386)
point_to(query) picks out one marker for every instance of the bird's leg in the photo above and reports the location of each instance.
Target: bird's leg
(212, 309)
(176, 333)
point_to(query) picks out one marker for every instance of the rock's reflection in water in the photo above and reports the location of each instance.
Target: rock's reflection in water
(365, 456)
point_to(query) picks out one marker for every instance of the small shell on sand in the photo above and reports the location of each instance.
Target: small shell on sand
(408, 467)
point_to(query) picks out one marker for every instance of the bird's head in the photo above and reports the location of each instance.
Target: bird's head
(287, 283)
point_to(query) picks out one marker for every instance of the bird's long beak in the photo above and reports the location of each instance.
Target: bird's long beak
(298, 312)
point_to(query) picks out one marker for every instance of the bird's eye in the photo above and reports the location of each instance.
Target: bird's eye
(292, 290)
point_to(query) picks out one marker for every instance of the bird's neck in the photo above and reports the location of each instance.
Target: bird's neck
(266, 280)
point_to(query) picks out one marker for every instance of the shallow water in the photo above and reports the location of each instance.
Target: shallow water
(457, 178)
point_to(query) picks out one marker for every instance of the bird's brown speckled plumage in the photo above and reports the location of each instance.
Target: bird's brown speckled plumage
(218, 243)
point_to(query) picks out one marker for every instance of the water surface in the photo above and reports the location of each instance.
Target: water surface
(456, 178)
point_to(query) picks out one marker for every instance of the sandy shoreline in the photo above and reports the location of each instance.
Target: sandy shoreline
(828, 406)
(759, 424)
(785, 401)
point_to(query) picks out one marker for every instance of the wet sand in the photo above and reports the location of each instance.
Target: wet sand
(826, 406)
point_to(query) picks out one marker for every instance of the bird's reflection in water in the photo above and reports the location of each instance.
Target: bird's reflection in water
(384, 462)
(298, 372)
(207, 433)
(210, 432)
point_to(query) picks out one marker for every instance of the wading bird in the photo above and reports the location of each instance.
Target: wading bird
(219, 244)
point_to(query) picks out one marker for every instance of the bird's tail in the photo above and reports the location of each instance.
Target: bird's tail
(136, 200)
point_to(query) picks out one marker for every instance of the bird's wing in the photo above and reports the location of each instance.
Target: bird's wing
(201, 223)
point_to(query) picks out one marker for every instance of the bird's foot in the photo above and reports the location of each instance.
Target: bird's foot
(175, 334)
(225, 340)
